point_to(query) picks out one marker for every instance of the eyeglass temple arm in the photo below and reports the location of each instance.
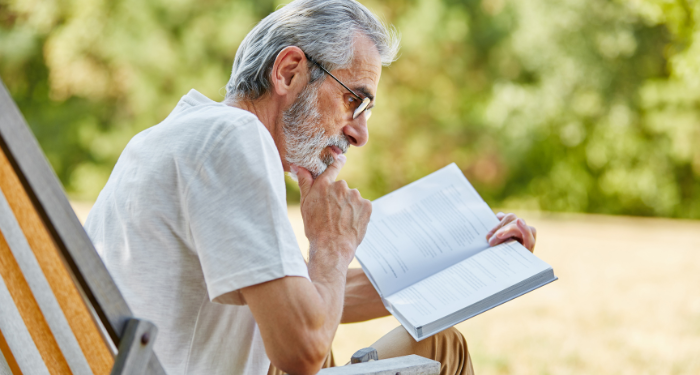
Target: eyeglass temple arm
(329, 73)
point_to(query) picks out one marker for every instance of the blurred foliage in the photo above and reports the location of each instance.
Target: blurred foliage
(562, 105)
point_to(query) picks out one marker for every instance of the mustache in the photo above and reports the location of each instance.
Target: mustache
(340, 141)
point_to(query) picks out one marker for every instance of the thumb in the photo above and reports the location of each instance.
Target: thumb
(304, 179)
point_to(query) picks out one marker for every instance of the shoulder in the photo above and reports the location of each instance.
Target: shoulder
(193, 133)
(226, 148)
(203, 125)
(231, 134)
(202, 141)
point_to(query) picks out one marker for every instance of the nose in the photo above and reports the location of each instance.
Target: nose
(357, 132)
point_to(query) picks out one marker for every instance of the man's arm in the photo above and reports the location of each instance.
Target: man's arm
(297, 317)
(362, 302)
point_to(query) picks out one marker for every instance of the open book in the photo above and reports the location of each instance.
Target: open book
(426, 253)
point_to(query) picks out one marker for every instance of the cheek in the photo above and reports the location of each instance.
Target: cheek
(334, 112)
(332, 116)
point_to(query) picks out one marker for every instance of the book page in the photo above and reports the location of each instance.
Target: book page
(422, 228)
(466, 283)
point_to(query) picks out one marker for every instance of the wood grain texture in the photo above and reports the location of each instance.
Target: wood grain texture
(68, 296)
(9, 357)
(31, 313)
(19, 339)
(46, 193)
(43, 294)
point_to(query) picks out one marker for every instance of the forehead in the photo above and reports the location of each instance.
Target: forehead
(366, 67)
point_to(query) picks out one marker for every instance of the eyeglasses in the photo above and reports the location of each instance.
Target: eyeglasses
(364, 102)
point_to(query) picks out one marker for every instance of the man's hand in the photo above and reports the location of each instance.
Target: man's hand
(335, 216)
(511, 227)
(298, 318)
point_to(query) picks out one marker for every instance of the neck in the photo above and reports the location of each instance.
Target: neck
(269, 114)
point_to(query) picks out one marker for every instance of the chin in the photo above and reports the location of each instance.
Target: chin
(327, 157)
(316, 167)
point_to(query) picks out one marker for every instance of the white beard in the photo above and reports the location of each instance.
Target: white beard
(305, 138)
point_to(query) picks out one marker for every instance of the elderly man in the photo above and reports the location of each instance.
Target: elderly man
(193, 222)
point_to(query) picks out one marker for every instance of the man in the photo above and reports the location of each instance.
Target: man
(192, 223)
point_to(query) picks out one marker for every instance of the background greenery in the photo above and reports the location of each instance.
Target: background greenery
(561, 105)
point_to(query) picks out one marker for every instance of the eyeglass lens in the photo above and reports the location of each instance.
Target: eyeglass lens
(361, 108)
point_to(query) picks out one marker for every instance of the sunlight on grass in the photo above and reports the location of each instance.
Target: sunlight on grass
(627, 302)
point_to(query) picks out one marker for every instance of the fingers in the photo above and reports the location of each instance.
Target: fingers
(304, 178)
(517, 230)
(528, 239)
(331, 173)
(335, 216)
(510, 227)
(510, 231)
(505, 220)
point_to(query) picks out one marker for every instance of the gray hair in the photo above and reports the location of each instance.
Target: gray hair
(323, 29)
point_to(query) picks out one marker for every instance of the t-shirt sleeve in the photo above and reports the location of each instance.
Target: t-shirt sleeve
(237, 213)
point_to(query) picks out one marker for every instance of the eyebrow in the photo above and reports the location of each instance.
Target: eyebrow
(364, 91)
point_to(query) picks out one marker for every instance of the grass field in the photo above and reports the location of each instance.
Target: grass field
(627, 302)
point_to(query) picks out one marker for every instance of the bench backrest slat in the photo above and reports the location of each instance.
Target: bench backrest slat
(51, 307)
(46, 196)
(60, 310)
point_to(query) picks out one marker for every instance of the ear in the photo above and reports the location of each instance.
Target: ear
(290, 72)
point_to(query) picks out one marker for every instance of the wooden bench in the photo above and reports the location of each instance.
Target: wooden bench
(60, 310)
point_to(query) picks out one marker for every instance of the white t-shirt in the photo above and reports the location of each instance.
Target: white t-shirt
(196, 209)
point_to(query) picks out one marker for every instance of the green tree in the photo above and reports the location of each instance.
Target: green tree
(567, 105)
(89, 74)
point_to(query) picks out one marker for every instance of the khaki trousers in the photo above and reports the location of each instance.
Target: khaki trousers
(447, 347)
